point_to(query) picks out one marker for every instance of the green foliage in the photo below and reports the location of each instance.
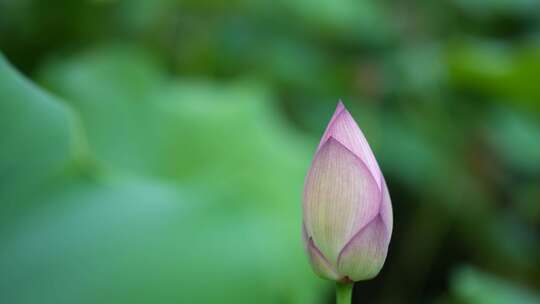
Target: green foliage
(497, 70)
(514, 137)
(119, 237)
(158, 152)
(41, 140)
(473, 286)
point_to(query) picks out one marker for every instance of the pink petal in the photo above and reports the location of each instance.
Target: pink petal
(343, 128)
(363, 257)
(318, 262)
(340, 196)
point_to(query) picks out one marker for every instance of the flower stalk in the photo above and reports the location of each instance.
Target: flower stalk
(344, 293)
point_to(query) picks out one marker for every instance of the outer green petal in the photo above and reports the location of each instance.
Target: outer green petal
(363, 257)
(340, 197)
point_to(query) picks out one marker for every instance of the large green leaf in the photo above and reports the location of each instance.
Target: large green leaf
(145, 242)
(215, 219)
(140, 122)
(41, 139)
(108, 87)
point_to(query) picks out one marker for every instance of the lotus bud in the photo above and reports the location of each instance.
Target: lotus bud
(347, 210)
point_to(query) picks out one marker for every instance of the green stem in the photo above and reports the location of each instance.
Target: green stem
(344, 293)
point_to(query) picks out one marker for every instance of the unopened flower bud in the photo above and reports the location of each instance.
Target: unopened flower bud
(347, 210)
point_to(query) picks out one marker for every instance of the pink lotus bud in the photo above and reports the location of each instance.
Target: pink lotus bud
(347, 208)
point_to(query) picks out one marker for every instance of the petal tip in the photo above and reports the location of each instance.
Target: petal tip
(340, 106)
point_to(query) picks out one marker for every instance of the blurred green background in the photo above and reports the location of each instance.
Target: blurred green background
(155, 151)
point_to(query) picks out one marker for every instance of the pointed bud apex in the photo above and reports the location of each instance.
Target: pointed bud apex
(347, 209)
